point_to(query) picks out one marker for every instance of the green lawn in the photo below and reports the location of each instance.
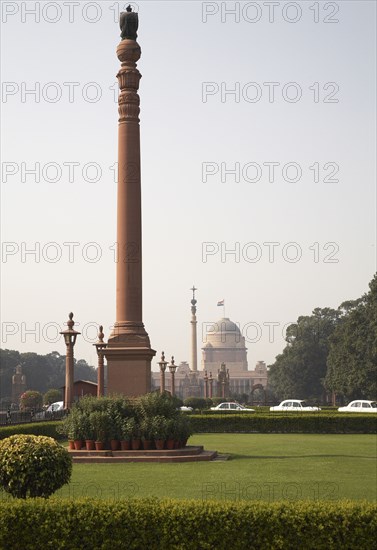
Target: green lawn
(266, 467)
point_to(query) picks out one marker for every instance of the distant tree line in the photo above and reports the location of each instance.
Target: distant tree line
(330, 351)
(43, 372)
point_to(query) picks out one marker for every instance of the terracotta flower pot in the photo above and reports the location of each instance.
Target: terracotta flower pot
(135, 444)
(99, 445)
(170, 444)
(71, 445)
(160, 444)
(89, 444)
(147, 444)
(114, 444)
(77, 444)
(125, 445)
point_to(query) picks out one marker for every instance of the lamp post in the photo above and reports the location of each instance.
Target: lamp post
(100, 346)
(70, 336)
(172, 368)
(210, 379)
(206, 385)
(162, 365)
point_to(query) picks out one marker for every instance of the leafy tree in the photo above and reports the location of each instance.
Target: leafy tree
(196, 402)
(51, 396)
(240, 397)
(9, 359)
(352, 360)
(42, 371)
(31, 400)
(300, 370)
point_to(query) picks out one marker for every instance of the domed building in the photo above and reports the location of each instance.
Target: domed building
(224, 344)
(224, 367)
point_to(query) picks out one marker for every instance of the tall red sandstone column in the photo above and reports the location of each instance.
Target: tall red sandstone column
(128, 352)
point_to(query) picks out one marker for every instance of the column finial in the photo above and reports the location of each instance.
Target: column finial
(193, 301)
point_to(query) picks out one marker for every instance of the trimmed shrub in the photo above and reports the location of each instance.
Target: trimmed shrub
(33, 466)
(186, 525)
(284, 423)
(49, 429)
(237, 423)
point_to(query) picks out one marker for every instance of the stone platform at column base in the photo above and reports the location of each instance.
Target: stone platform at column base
(190, 453)
(128, 370)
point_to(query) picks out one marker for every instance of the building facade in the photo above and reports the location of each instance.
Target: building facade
(224, 343)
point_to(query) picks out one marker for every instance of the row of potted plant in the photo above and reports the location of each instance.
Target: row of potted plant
(99, 429)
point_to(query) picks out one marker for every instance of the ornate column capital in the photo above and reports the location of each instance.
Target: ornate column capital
(128, 52)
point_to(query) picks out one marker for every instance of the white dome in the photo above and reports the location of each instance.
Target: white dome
(224, 334)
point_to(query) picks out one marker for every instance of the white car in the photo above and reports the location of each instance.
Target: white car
(294, 405)
(186, 409)
(54, 407)
(360, 406)
(231, 407)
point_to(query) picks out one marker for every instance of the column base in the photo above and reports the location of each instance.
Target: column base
(128, 334)
(129, 370)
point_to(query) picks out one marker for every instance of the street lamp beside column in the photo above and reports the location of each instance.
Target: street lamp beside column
(162, 365)
(210, 379)
(70, 336)
(172, 368)
(206, 385)
(100, 347)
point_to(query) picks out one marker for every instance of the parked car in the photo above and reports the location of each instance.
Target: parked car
(49, 413)
(294, 405)
(54, 407)
(361, 406)
(185, 409)
(231, 407)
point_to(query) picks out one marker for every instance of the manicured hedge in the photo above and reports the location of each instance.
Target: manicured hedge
(185, 525)
(284, 423)
(242, 423)
(37, 428)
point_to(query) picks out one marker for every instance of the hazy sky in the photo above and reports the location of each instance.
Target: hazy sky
(258, 166)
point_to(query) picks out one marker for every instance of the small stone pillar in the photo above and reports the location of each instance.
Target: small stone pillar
(100, 347)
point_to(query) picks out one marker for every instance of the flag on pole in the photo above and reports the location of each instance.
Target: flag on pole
(220, 303)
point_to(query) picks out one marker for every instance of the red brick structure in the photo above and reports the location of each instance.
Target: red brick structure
(82, 388)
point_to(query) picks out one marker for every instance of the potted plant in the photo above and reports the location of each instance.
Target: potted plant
(114, 431)
(184, 430)
(65, 428)
(88, 433)
(136, 437)
(159, 428)
(100, 424)
(170, 433)
(127, 428)
(76, 428)
(146, 428)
